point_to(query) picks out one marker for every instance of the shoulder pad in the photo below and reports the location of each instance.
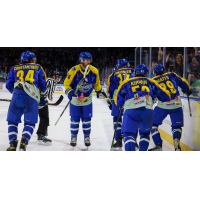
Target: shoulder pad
(94, 69)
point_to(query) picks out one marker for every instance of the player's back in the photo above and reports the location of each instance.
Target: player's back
(168, 81)
(116, 79)
(28, 72)
(120, 75)
(139, 92)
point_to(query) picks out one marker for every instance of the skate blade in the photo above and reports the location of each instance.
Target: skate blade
(21, 149)
(116, 149)
(45, 144)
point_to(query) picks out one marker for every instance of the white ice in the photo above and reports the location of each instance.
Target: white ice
(101, 132)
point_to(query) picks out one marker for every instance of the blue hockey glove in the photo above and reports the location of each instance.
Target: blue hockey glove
(43, 101)
(101, 92)
(188, 93)
(70, 94)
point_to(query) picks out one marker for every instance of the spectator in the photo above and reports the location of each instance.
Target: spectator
(169, 62)
(178, 65)
(194, 84)
(1, 73)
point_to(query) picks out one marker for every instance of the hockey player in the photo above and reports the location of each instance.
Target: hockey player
(44, 110)
(169, 81)
(136, 95)
(81, 104)
(115, 79)
(24, 81)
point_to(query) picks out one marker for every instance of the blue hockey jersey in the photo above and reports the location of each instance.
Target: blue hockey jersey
(92, 81)
(27, 72)
(171, 81)
(116, 79)
(138, 92)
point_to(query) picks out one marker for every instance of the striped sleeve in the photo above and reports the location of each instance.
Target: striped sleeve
(51, 85)
(182, 82)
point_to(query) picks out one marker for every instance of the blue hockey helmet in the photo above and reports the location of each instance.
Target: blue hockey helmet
(121, 63)
(25, 56)
(159, 69)
(85, 55)
(141, 70)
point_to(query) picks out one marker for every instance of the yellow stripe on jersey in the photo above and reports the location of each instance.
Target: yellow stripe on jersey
(183, 79)
(97, 85)
(44, 73)
(70, 76)
(163, 89)
(108, 84)
(124, 82)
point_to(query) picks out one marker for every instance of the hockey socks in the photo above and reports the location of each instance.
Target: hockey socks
(86, 125)
(177, 132)
(74, 126)
(144, 141)
(129, 141)
(156, 135)
(12, 132)
(28, 131)
(119, 127)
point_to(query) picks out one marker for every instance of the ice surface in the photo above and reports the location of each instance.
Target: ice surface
(101, 134)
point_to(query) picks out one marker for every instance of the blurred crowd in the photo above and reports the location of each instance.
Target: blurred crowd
(62, 59)
(175, 63)
(104, 59)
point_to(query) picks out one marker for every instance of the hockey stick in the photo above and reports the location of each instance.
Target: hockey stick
(5, 100)
(51, 104)
(74, 93)
(57, 102)
(189, 106)
(116, 128)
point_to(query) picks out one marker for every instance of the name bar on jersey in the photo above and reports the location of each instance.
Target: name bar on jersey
(124, 72)
(164, 78)
(143, 82)
(26, 67)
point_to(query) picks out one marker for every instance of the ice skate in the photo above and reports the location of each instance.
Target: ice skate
(177, 144)
(23, 144)
(158, 147)
(42, 140)
(13, 146)
(73, 141)
(87, 141)
(118, 145)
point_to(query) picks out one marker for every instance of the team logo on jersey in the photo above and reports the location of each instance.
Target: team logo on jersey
(85, 87)
(74, 69)
(33, 94)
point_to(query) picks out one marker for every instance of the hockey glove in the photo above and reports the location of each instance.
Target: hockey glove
(188, 93)
(110, 104)
(70, 94)
(43, 101)
(101, 93)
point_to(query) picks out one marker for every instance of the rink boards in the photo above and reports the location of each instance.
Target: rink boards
(191, 132)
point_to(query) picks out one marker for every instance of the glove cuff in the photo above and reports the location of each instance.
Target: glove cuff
(68, 91)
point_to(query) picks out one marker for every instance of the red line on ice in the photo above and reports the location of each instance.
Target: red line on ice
(55, 141)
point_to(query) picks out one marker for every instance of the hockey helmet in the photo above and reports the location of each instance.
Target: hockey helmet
(141, 70)
(159, 69)
(85, 55)
(121, 63)
(26, 56)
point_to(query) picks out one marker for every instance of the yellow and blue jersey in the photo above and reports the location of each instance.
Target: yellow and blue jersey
(171, 81)
(138, 92)
(27, 72)
(92, 81)
(116, 79)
